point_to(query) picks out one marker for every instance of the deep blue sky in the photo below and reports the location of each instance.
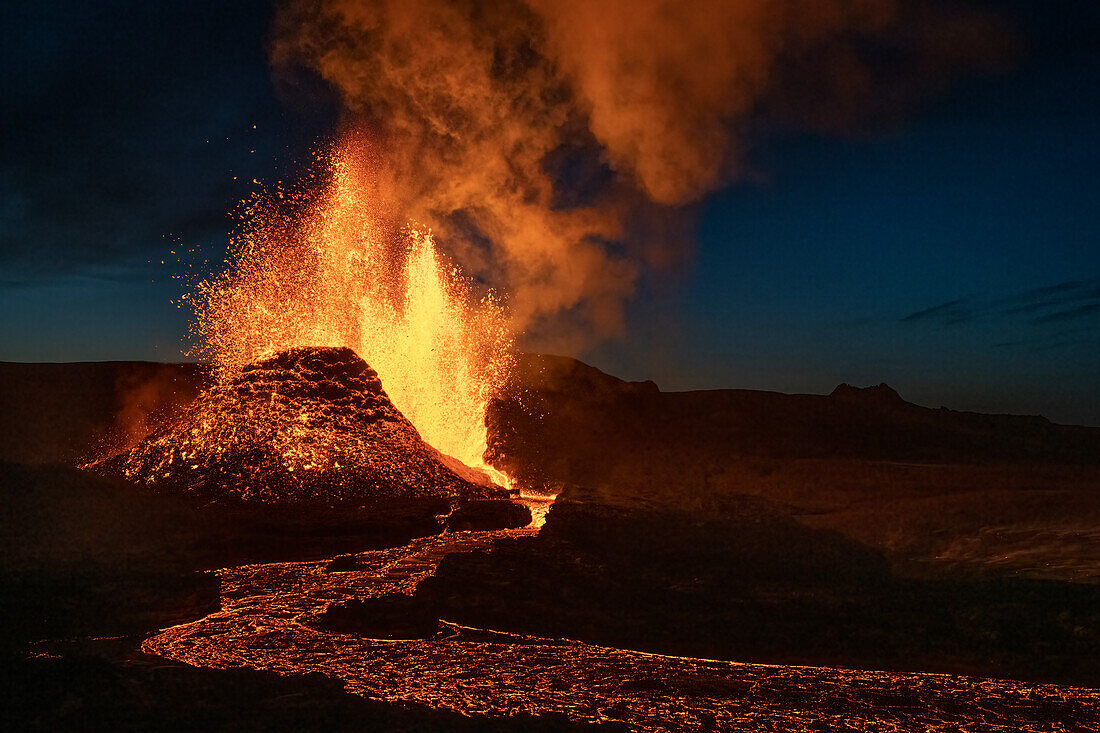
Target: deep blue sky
(955, 256)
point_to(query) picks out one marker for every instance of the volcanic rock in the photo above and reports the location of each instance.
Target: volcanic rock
(490, 514)
(343, 564)
(307, 425)
(392, 616)
(880, 394)
(752, 583)
(560, 421)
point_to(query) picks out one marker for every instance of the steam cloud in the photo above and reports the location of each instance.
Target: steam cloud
(557, 146)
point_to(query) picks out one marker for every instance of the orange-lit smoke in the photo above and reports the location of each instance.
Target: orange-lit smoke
(550, 147)
(323, 266)
(470, 99)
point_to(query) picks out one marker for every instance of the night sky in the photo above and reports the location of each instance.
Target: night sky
(954, 255)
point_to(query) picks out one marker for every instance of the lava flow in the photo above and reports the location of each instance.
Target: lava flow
(315, 268)
(272, 617)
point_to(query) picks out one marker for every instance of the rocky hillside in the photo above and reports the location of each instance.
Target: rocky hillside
(565, 421)
(310, 425)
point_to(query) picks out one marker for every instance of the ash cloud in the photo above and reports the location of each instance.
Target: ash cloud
(560, 147)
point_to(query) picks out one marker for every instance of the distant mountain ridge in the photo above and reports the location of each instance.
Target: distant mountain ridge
(559, 410)
(563, 420)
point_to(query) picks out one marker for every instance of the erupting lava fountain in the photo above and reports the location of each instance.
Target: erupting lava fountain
(311, 276)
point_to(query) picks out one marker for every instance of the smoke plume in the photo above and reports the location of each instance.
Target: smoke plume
(539, 138)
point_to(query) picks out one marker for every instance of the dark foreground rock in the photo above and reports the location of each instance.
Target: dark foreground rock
(752, 585)
(342, 564)
(489, 514)
(142, 693)
(87, 600)
(392, 616)
(82, 555)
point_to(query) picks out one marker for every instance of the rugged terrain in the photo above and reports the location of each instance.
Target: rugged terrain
(855, 531)
(930, 489)
(310, 426)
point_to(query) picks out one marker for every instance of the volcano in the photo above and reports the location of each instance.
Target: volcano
(304, 426)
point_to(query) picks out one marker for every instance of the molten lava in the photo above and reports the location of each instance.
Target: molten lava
(327, 268)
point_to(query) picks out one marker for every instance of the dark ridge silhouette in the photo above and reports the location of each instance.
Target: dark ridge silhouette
(880, 394)
(70, 412)
(562, 420)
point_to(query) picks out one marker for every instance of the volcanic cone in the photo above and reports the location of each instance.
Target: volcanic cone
(307, 425)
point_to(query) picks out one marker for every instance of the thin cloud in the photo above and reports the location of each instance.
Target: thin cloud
(1054, 316)
(949, 313)
(1052, 303)
(1052, 296)
(1071, 314)
(1046, 341)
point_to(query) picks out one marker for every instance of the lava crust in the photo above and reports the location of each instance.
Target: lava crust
(305, 426)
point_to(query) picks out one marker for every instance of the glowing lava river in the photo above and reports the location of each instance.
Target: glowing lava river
(271, 619)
